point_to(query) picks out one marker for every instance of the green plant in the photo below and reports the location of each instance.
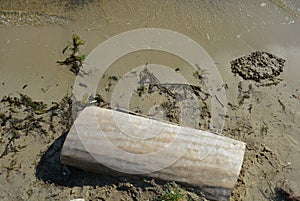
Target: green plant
(25, 100)
(172, 193)
(75, 58)
(264, 128)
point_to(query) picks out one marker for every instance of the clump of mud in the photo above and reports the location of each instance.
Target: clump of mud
(258, 66)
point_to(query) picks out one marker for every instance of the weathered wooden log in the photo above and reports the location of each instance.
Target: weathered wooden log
(110, 142)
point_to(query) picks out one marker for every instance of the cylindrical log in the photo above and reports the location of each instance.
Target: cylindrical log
(108, 141)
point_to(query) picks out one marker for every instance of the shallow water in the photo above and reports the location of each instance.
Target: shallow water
(225, 29)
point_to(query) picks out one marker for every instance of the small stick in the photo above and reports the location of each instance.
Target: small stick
(219, 101)
(282, 105)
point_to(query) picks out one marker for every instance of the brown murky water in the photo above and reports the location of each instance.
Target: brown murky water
(33, 33)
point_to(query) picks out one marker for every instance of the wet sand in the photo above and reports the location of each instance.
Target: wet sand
(226, 30)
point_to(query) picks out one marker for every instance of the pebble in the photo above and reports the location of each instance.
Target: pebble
(124, 186)
(66, 171)
(263, 4)
(76, 190)
(87, 194)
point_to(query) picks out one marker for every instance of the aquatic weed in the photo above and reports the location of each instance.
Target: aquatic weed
(75, 58)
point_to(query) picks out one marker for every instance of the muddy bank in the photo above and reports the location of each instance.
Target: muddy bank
(33, 35)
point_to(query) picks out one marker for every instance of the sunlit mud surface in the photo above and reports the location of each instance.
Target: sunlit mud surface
(265, 116)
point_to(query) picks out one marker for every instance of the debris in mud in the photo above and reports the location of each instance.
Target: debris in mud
(259, 66)
(113, 77)
(242, 95)
(172, 111)
(26, 101)
(176, 96)
(264, 129)
(59, 119)
(200, 74)
(111, 81)
(21, 116)
(75, 58)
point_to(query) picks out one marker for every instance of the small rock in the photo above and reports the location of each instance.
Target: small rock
(124, 186)
(66, 171)
(76, 190)
(263, 4)
(87, 194)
